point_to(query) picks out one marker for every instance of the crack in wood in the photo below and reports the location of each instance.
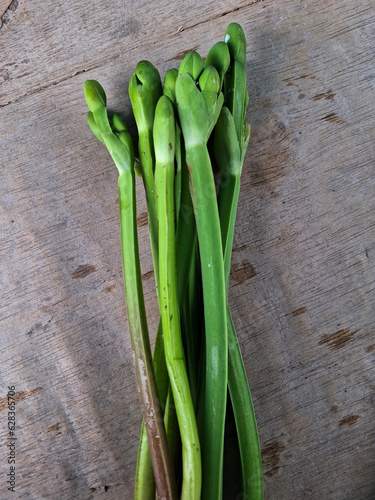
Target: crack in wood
(324, 95)
(54, 83)
(180, 56)
(225, 13)
(239, 8)
(55, 428)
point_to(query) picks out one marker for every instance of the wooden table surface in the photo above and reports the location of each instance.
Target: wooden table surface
(302, 281)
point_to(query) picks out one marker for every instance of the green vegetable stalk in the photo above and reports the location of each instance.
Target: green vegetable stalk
(230, 143)
(164, 140)
(191, 224)
(185, 240)
(145, 88)
(119, 144)
(198, 110)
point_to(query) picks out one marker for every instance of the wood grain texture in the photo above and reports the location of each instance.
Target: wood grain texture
(302, 287)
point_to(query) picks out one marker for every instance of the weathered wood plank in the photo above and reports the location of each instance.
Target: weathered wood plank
(302, 288)
(47, 42)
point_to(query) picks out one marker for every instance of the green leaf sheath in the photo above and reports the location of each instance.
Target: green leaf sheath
(193, 324)
(178, 174)
(185, 241)
(209, 239)
(146, 155)
(186, 246)
(173, 434)
(164, 137)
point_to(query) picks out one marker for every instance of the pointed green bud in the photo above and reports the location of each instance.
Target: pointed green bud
(117, 140)
(209, 81)
(192, 111)
(235, 38)
(95, 95)
(148, 76)
(219, 58)
(145, 88)
(126, 139)
(169, 87)
(198, 110)
(95, 129)
(192, 64)
(96, 102)
(118, 124)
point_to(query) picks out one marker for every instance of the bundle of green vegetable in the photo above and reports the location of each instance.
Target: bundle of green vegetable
(188, 126)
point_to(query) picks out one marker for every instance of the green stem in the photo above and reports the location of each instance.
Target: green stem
(173, 434)
(174, 353)
(186, 231)
(144, 480)
(152, 414)
(239, 391)
(145, 89)
(119, 144)
(247, 432)
(209, 238)
(146, 156)
(227, 199)
(192, 314)
(178, 175)
(185, 241)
